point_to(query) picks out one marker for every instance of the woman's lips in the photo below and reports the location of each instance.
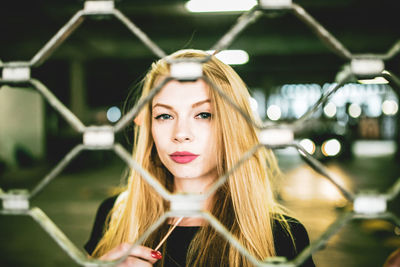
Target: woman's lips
(183, 157)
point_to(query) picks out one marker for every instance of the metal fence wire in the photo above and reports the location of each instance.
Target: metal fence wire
(371, 205)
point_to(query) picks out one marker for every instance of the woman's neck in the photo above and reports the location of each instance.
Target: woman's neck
(191, 185)
(194, 186)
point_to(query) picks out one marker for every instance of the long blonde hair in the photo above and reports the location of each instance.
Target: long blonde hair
(246, 203)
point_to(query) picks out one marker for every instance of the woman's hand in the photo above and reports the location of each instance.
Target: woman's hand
(139, 256)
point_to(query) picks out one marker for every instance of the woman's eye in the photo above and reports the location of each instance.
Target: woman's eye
(204, 115)
(163, 117)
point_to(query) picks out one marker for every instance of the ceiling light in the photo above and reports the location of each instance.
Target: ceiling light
(219, 5)
(274, 112)
(330, 110)
(308, 145)
(331, 147)
(113, 114)
(390, 107)
(253, 104)
(355, 110)
(376, 80)
(232, 57)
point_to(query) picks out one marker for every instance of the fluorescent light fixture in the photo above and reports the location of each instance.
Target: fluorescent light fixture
(232, 57)
(276, 136)
(376, 80)
(219, 5)
(374, 148)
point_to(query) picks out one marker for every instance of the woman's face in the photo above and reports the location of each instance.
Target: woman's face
(182, 130)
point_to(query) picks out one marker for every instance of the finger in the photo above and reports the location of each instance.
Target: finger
(117, 252)
(141, 252)
(146, 253)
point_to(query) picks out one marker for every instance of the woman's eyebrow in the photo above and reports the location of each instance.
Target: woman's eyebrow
(162, 105)
(201, 103)
(193, 106)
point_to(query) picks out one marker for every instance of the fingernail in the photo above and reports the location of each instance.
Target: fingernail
(156, 254)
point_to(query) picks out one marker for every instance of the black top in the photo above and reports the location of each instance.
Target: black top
(179, 240)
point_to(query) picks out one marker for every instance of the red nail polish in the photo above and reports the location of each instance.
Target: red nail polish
(156, 254)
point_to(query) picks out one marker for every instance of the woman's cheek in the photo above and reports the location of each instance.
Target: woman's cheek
(205, 133)
(159, 130)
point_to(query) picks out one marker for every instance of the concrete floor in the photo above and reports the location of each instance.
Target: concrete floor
(317, 203)
(72, 198)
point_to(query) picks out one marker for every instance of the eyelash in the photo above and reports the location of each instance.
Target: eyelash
(207, 114)
(203, 115)
(162, 117)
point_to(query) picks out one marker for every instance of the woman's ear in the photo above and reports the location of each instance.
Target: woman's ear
(138, 120)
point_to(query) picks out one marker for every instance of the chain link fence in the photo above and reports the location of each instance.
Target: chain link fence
(370, 205)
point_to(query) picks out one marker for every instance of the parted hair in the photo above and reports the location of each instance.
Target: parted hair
(245, 204)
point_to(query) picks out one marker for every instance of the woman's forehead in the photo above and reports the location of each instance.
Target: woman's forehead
(177, 93)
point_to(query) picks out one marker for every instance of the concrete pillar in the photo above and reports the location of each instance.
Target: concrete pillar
(21, 124)
(78, 89)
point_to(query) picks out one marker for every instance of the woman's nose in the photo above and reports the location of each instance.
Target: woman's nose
(182, 132)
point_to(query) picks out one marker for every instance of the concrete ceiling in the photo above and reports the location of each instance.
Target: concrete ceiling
(282, 48)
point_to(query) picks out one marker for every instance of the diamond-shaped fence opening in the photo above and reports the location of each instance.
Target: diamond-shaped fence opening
(42, 245)
(371, 233)
(363, 206)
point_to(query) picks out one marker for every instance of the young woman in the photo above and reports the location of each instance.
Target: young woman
(188, 137)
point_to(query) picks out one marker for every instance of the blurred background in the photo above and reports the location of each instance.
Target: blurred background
(283, 62)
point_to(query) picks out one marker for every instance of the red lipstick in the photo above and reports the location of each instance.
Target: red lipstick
(183, 157)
